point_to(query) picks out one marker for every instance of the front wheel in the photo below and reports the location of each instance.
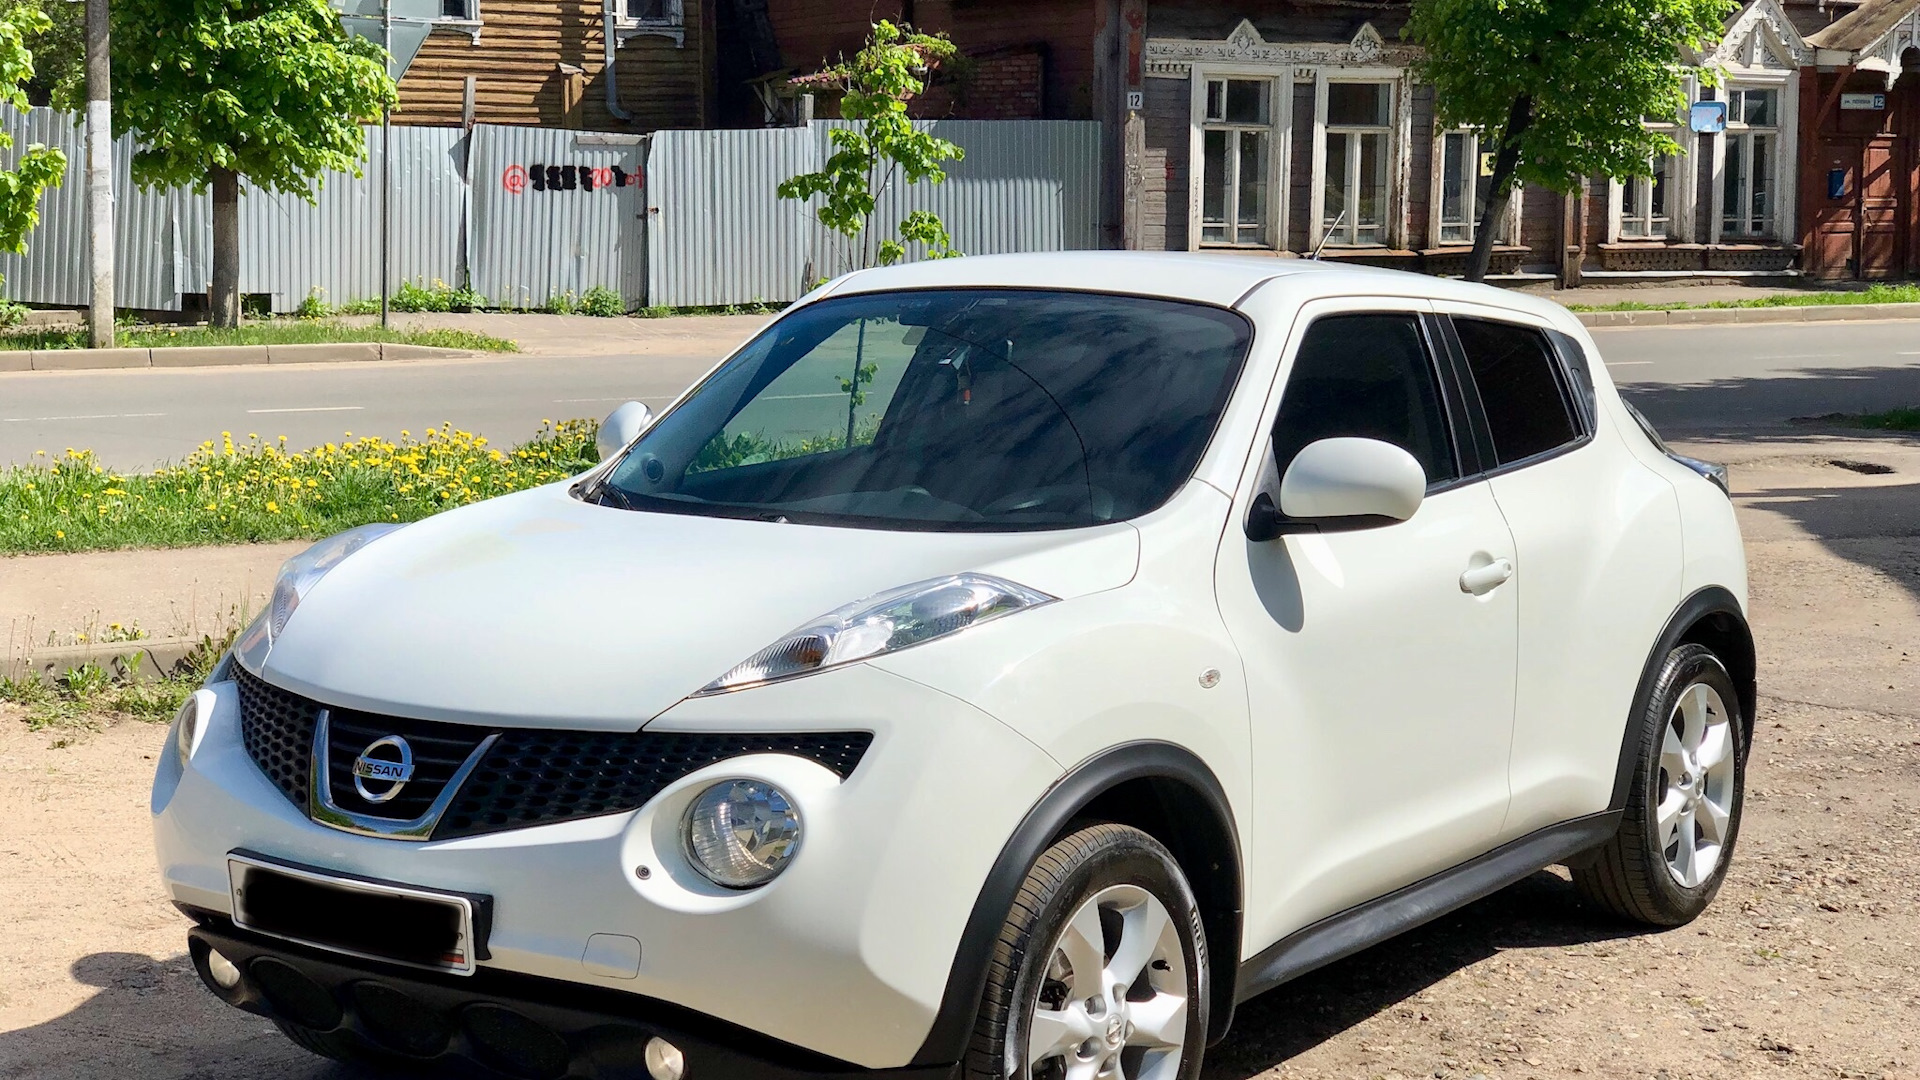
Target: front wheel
(1683, 806)
(1100, 972)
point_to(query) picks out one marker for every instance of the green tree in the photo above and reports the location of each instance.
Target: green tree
(59, 50)
(270, 91)
(39, 167)
(1559, 87)
(881, 146)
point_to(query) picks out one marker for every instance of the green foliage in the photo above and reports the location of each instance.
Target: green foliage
(315, 305)
(1907, 419)
(725, 451)
(1565, 86)
(562, 303)
(59, 50)
(287, 332)
(875, 87)
(230, 492)
(40, 167)
(1877, 293)
(84, 696)
(439, 296)
(274, 90)
(12, 314)
(602, 302)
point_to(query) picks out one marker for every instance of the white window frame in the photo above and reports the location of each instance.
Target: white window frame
(1398, 130)
(1437, 194)
(672, 25)
(1786, 153)
(1279, 152)
(1682, 180)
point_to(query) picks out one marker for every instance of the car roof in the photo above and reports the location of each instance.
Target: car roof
(1212, 278)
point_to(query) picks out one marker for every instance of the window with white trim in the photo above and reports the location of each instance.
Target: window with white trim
(460, 10)
(1464, 189)
(1646, 202)
(1236, 154)
(1354, 161)
(651, 12)
(1749, 203)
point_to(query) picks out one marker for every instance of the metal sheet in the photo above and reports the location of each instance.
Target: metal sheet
(556, 212)
(719, 234)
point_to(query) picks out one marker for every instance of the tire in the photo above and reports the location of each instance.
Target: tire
(341, 1046)
(1141, 906)
(1646, 873)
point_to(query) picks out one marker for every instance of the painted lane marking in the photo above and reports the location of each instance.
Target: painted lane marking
(1628, 363)
(801, 397)
(88, 416)
(316, 408)
(586, 400)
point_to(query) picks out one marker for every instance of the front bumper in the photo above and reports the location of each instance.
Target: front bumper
(497, 1022)
(846, 954)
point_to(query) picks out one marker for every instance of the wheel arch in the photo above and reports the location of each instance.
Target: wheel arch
(1157, 787)
(1712, 618)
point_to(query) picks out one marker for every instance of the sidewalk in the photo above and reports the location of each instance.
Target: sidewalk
(586, 335)
(1662, 294)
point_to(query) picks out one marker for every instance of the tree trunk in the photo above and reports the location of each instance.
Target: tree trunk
(224, 300)
(1519, 119)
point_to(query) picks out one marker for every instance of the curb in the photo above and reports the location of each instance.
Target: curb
(156, 657)
(1729, 316)
(222, 356)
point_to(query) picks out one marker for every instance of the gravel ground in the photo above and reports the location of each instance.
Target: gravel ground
(1806, 967)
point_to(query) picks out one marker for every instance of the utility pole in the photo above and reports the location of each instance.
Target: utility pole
(100, 174)
(386, 166)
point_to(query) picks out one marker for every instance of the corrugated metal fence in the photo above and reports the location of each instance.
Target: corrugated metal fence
(523, 215)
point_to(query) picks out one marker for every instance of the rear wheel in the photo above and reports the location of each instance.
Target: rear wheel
(1100, 972)
(1682, 817)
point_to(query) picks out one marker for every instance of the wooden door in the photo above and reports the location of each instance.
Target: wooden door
(1833, 197)
(1882, 210)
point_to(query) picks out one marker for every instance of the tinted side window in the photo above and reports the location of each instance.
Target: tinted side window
(1574, 358)
(1515, 372)
(1367, 376)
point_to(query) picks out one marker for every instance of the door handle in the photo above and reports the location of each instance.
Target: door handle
(1481, 580)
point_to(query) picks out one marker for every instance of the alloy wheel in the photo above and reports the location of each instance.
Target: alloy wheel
(1695, 805)
(1112, 1004)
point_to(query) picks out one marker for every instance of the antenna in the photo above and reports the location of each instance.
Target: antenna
(1328, 235)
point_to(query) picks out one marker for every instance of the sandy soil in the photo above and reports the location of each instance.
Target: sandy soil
(1806, 967)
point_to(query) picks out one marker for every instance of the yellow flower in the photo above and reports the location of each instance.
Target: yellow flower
(272, 507)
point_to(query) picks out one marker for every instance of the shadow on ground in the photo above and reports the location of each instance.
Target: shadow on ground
(1739, 410)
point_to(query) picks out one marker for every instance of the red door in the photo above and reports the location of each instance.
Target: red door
(1834, 199)
(1882, 211)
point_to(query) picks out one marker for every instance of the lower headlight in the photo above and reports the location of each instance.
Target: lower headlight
(190, 723)
(742, 833)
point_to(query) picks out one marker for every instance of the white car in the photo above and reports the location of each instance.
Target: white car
(1003, 665)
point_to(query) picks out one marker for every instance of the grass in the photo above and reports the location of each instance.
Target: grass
(253, 490)
(83, 696)
(1906, 419)
(1873, 294)
(302, 332)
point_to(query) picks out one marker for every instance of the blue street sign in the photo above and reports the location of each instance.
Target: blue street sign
(1709, 117)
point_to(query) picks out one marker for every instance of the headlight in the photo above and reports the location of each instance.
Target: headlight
(190, 723)
(298, 576)
(887, 622)
(742, 833)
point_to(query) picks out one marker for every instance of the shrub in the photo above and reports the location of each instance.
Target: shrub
(603, 302)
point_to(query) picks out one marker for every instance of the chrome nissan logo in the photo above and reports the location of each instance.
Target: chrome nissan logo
(385, 761)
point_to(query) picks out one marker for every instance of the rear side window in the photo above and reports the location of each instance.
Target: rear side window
(1575, 359)
(1521, 388)
(1365, 376)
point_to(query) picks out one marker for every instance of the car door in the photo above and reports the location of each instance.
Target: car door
(1598, 553)
(1381, 690)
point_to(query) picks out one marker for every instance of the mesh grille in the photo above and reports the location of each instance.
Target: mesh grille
(539, 777)
(277, 728)
(529, 777)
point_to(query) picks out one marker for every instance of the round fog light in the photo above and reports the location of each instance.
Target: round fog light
(225, 975)
(742, 833)
(186, 730)
(665, 1061)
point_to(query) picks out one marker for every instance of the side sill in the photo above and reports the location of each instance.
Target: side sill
(1355, 929)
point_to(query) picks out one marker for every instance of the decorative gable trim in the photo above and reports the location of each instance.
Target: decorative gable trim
(1174, 58)
(1761, 37)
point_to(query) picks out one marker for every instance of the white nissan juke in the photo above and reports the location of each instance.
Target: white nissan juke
(998, 667)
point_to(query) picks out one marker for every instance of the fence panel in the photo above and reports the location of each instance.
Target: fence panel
(556, 212)
(717, 232)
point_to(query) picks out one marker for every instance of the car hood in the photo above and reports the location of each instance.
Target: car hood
(539, 610)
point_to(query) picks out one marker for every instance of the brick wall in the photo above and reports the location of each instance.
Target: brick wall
(1006, 84)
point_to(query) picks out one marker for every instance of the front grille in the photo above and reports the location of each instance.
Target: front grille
(539, 777)
(529, 777)
(277, 729)
(438, 752)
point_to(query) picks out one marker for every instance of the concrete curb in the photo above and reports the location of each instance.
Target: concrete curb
(156, 658)
(1729, 316)
(221, 356)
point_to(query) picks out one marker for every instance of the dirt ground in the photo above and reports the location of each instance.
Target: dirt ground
(1806, 967)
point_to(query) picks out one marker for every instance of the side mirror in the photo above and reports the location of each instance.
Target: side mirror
(622, 426)
(1341, 485)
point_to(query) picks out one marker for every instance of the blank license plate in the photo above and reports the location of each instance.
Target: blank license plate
(376, 920)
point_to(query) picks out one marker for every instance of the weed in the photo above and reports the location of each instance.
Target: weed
(439, 296)
(82, 696)
(315, 306)
(603, 302)
(565, 303)
(1873, 294)
(277, 332)
(12, 314)
(1903, 419)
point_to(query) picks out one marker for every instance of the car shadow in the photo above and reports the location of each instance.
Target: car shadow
(1541, 911)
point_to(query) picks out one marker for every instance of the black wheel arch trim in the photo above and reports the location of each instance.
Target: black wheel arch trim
(1718, 608)
(1064, 801)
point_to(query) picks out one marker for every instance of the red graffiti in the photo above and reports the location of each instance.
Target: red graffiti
(602, 176)
(514, 179)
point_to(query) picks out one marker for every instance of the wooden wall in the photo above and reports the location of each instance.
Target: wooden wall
(517, 61)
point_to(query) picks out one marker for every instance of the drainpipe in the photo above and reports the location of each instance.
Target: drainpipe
(610, 16)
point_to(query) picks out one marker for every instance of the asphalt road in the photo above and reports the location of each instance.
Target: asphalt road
(1696, 382)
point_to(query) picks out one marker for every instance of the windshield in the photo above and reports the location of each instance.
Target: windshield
(965, 409)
